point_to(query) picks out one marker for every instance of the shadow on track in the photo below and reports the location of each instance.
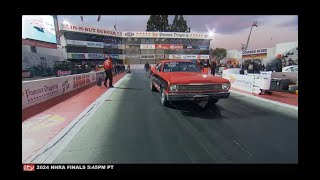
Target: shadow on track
(192, 109)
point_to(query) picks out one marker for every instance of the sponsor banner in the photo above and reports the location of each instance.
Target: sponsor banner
(198, 35)
(155, 34)
(95, 44)
(147, 56)
(181, 35)
(76, 43)
(240, 81)
(34, 92)
(91, 30)
(255, 51)
(189, 56)
(99, 31)
(162, 46)
(254, 56)
(121, 46)
(162, 56)
(203, 47)
(113, 56)
(133, 56)
(26, 74)
(95, 56)
(203, 56)
(77, 55)
(147, 46)
(38, 44)
(175, 56)
(63, 73)
(176, 46)
(166, 34)
(107, 45)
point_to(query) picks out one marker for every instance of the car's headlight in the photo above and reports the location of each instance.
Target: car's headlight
(225, 86)
(173, 87)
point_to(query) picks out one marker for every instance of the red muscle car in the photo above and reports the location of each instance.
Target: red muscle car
(178, 80)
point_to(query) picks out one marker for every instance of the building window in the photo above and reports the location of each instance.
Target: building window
(33, 49)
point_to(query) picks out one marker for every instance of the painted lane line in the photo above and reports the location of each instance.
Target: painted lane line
(52, 149)
(267, 100)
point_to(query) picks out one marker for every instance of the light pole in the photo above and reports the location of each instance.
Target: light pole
(255, 23)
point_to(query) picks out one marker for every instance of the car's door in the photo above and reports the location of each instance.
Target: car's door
(156, 76)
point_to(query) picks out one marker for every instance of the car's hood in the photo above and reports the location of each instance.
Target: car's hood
(191, 77)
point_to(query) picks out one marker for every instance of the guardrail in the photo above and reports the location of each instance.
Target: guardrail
(37, 91)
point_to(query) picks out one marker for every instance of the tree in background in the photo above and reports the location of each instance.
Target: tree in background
(158, 23)
(218, 53)
(179, 24)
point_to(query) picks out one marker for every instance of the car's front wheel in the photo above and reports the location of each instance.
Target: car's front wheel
(152, 88)
(163, 98)
(213, 101)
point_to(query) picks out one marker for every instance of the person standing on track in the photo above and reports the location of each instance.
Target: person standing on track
(206, 66)
(213, 67)
(147, 67)
(108, 69)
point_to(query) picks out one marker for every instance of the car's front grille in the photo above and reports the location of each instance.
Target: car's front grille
(204, 87)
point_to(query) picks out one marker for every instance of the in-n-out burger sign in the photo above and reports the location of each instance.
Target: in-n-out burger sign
(90, 30)
(256, 51)
(80, 81)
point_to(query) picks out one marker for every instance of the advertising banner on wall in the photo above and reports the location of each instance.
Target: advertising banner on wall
(91, 30)
(147, 46)
(95, 56)
(77, 55)
(147, 56)
(176, 46)
(166, 34)
(162, 46)
(145, 34)
(240, 81)
(35, 92)
(85, 43)
(175, 56)
(162, 56)
(95, 44)
(254, 54)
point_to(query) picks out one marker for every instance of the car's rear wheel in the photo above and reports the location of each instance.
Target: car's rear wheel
(163, 98)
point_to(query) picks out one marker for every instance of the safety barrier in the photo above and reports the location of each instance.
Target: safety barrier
(37, 91)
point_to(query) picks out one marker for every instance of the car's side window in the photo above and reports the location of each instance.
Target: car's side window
(158, 67)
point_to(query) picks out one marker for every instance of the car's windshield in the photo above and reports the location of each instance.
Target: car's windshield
(180, 67)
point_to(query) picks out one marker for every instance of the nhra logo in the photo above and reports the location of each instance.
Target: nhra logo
(129, 34)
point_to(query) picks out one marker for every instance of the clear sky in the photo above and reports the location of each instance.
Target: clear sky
(230, 31)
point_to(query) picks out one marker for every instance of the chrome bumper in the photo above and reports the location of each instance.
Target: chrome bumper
(197, 96)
